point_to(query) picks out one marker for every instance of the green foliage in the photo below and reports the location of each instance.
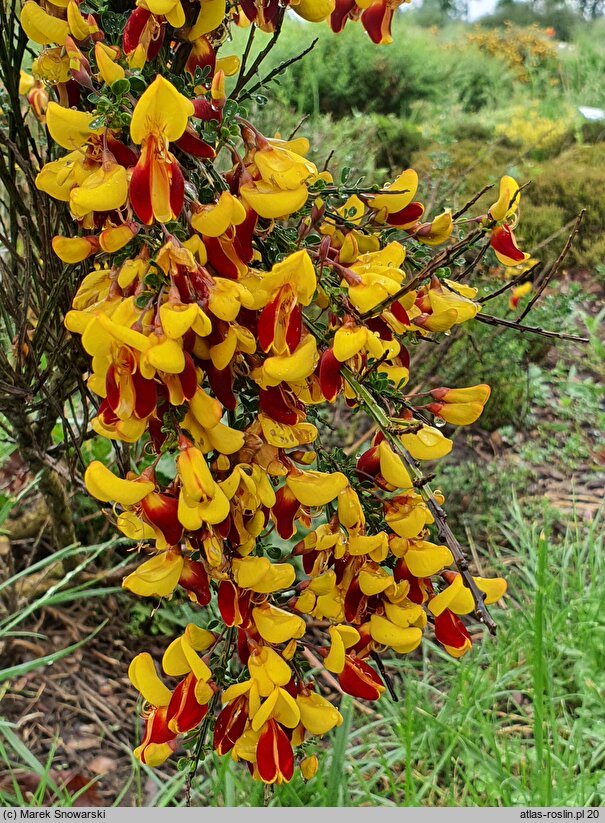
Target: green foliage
(560, 188)
(583, 65)
(14, 756)
(556, 424)
(391, 80)
(396, 141)
(56, 579)
(388, 142)
(542, 221)
(477, 356)
(483, 732)
(478, 733)
(479, 80)
(576, 182)
(368, 79)
(457, 115)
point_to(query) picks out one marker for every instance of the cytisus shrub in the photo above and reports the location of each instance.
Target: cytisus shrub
(234, 293)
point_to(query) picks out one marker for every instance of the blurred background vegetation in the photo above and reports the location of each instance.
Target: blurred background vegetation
(521, 719)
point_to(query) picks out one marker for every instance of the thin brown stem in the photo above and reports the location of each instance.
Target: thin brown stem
(473, 264)
(205, 727)
(520, 278)
(244, 78)
(246, 54)
(278, 70)
(512, 324)
(472, 201)
(555, 267)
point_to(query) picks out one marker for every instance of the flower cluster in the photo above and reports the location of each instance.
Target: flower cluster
(525, 49)
(233, 294)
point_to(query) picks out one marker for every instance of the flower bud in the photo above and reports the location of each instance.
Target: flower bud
(308, 766)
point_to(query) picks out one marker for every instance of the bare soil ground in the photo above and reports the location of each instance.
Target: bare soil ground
(83, 707)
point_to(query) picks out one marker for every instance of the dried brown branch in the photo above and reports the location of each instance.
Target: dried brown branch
(40, 367)
(472, 201)
(245, 77)
(512, 324)
(278, 70)
(554, 268)
(473, 264)
(520, 278)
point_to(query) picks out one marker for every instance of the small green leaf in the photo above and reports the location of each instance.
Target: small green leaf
(120, 87)
(137, 84)
(97, 122)
(143, 298)
(230, 109)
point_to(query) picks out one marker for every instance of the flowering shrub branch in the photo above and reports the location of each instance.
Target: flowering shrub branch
(222, 314)
(387, 428)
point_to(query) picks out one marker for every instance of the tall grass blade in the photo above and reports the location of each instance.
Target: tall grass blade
(336, 776)
(539, 671)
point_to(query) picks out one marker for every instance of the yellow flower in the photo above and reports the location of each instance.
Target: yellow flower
(309, 766)
(508, 200)
(314, 11)
(42, 27)
(157, 577)
(270, 201)
(316, 488)
(461, 407)
(69, 128)
(105, 486)
(400, 193)
(144, 677)
(26, 82)
(437, 232)
(402, 640)
(210, 17)
(74, 249)
(392, 468)
(263, 576)
(106, 59)
(268, 669)
(279, 166)
(317, 714)
(517, 293)
(342, 637)
(105, 189)
(289, 368)
(280, 706)
(276, 625)
(160, 117)
(458, 598)
(428, 443)
(172, 10)
(181, 656)
(214, 219)
(424, 559)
